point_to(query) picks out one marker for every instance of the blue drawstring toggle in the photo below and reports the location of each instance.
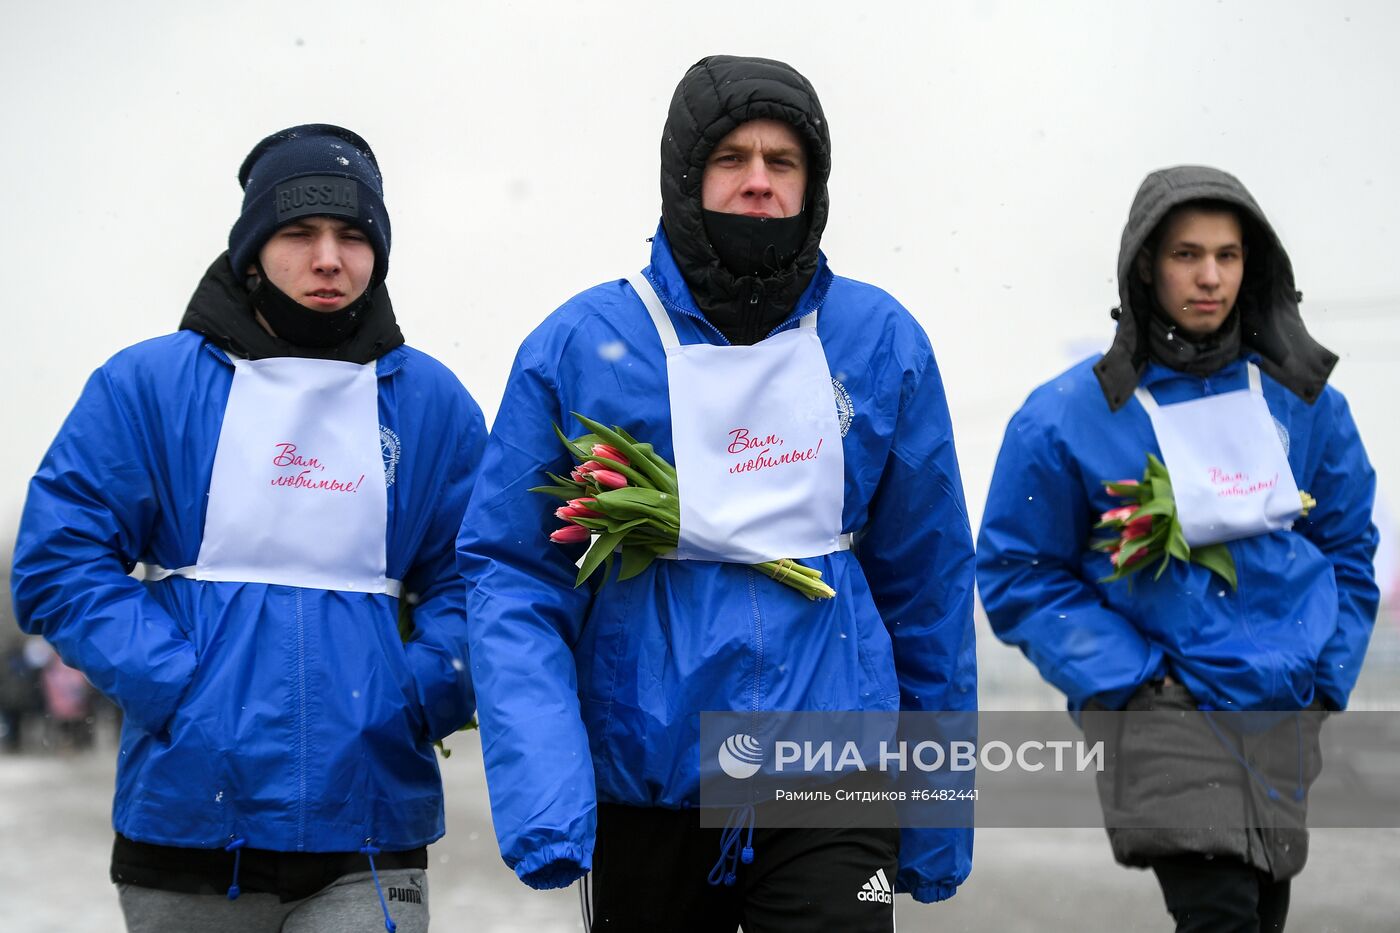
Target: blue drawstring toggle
(369, 851)
(740, 822)
(236, 844)
(1299, 792)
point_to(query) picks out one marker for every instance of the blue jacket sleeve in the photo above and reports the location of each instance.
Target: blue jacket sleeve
(916, 553)
(525, 615)
(1035, 531)
(437, 650)
(1344, 486)
(86, 521)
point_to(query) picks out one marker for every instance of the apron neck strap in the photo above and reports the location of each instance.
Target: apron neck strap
(1145, 398)
(664, 328)
(1256, 387)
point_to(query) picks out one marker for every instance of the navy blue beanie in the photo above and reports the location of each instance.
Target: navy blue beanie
(315, 169)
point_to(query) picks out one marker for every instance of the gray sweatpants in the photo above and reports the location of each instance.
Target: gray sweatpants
(347, 905)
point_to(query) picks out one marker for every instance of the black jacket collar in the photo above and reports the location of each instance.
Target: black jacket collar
(221, 311)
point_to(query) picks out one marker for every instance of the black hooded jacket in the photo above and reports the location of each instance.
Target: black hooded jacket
(716, 95)
(1269, 322)
(220, 310)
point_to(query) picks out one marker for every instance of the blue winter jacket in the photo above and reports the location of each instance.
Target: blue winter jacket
(293, 718)
(1295, 629)
(593, 696)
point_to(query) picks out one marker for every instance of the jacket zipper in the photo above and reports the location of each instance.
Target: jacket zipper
(792, 319)
(755, 703)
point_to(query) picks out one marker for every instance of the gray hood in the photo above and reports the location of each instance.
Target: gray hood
(1270, 324)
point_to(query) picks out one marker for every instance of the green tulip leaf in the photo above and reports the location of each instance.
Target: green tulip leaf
(601, 550)
(635, 560)
(628, 448)
(1217, 559)
(1176, 542)
(559, 492)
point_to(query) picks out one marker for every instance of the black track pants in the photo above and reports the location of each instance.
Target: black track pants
(1221, 895)
(650, 870)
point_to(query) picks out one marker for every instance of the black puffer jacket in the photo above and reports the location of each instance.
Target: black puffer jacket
(1268, 302)
(716, 95)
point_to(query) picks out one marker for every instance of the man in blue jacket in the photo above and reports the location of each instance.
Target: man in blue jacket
(590, 698)
(1213, 371)
(288, 471)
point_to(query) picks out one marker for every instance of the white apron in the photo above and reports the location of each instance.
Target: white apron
(1230, 475)
(297, 496)
(759, 461)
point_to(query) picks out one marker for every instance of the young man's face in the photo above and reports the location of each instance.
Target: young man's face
(322, 263)
(758, 170)
(1198, 268)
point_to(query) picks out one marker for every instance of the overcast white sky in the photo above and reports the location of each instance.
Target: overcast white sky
(985, 155)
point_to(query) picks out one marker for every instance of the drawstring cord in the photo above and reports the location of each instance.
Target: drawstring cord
(1299, 792)
(235, 845)
(726, 870)
(369, 851)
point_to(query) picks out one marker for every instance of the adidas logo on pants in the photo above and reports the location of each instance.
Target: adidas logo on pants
(877, 889)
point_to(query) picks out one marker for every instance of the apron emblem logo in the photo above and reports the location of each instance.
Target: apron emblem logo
(845, 409)
(389, 446)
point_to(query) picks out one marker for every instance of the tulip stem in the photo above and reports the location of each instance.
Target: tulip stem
(806, 580)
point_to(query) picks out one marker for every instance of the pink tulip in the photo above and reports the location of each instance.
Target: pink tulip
(570, 534)
(1119, 562)
(585, 506)
(611, 453)
(1139, 528)
(569, 513)
(609, 479)
(1127, 482)
(1118, 515)
(590, 466)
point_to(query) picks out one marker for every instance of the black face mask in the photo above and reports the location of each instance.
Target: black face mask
(301, 326)
(757, 246)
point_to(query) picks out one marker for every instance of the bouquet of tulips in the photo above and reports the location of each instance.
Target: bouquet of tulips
(624, 496)
(1147, 530)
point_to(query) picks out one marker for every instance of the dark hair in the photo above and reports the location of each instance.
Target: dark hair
(1259, 267)
(1209, 206)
